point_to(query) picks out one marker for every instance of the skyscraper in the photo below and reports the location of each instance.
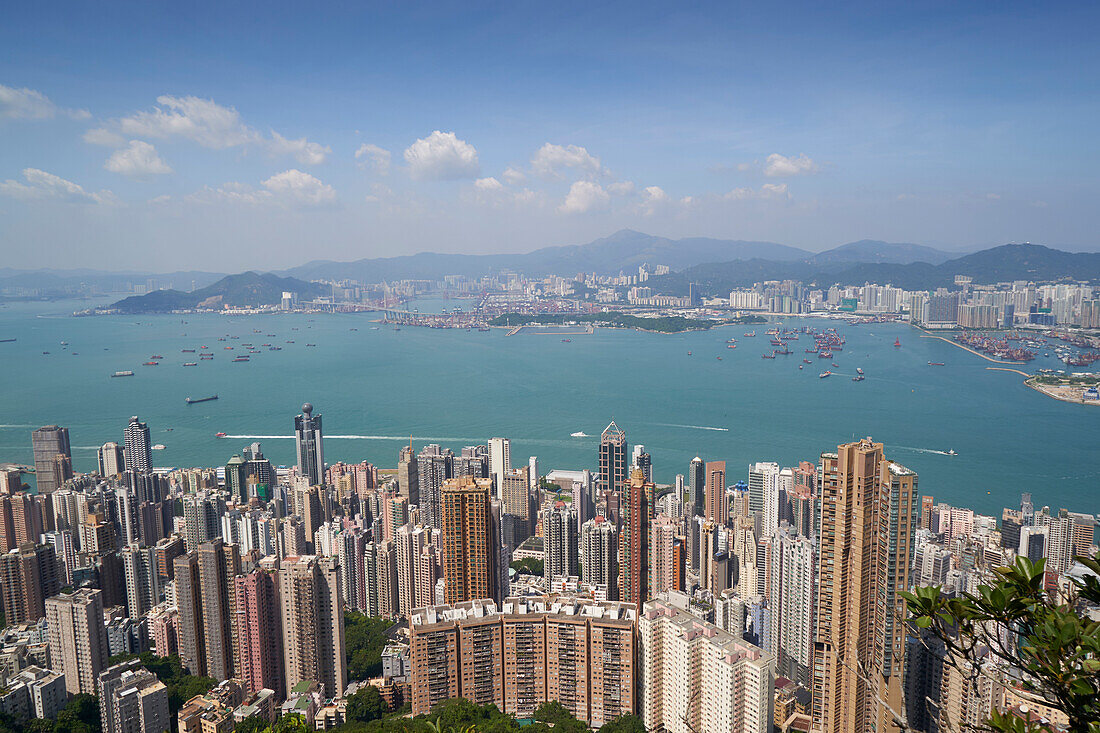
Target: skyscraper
(500, 461)
(313, 623)
(634, 577)
(697, 486)
(138, 448)
(259, 632)
(716, 509)
(408, 478)
(28, 576)
(668, 555)
(309, 442)
(869, 513)
(762, 478)
(78, 638)
(642, 460)
(560, 542)
(192, 645)
(613, 462)
(600, 554)
(49, 442)
(219, 564)
(110, 459)
(470, 549)
(793, 572)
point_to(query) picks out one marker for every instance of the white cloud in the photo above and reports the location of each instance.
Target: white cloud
(43, 185)
(621, 188)
(767, 191)
(300, 187)
(488, 184)
(993, 196)
(139, 160)
(304, 151)
(442, 157)
(289, 188)
(652, 198)
(28, 104)
(373, 157)
(209, 124)
(103, 136)
(584, 196)
(551, 161)
(513, 176)
(780, 166)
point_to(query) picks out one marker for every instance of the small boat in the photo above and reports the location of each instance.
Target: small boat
(270, 335)
(807, 361)
(481, 328)
(952, 452)
(567, 341)
(187, 351)
(64, 343)
(150, 363)
(190, 363)
(6, 341)
(859, 370)
(311, 344)
(801, 366)
(719, 358)
(227, 347)
(45, 352)
(196, 401)
(689, 353)
(241, 358)
(274, 348)
(290, 342)
(731, 346)
(935, 363)
(123, 373)
(156, 356)
(897, 342)
(858, 378)
(159, 446)
(168, 430)
(835, 364)
(219, 435)
(750, 334)
(353, 329)
(206, 358)
(578, 434)
(768, 356)
(824, 374)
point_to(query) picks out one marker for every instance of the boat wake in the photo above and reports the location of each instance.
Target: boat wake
(924, 450)
(690, 427)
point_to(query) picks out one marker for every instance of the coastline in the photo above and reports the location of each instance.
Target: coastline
(1072, 399)
(930, 335)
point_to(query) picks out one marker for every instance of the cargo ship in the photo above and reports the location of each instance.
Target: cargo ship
(124, 373)
(194, 401)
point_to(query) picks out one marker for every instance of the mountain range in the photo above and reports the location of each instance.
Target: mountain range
(246, 289)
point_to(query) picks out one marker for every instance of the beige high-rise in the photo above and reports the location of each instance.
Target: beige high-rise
(469, 545)
(78, 638)
(869, 512)
(313, 622)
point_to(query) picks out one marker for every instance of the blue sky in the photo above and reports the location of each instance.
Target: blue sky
(262, 135)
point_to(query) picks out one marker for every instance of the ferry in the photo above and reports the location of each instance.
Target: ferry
(219, 435)
(159, 446)
(190, 363)
(578, 434)
(195, 401)
(824, 374)
(124, 373)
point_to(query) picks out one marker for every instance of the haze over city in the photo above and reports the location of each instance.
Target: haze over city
(226, 138)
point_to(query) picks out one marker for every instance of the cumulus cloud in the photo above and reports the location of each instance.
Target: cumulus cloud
(488, 184)
(513, 176)
(300, 187)
(552, 161)
(652, 198)
(584, 196)
(29, 104)
(767, 191)
(304, 151)
(621, 188)
(42, 185)
(780, 166)
(139, 160)
(289, 188)
(374, 158)
(207, 123)
(442, 157)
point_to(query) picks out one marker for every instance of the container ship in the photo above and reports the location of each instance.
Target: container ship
(195, 401)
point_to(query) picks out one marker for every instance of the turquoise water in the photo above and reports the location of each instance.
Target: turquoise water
(376, 387)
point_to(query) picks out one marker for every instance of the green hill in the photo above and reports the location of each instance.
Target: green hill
(248, 289)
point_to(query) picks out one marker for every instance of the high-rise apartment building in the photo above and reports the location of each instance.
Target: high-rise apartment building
(762, 485)
(613, 460)
(470, 547)
(637, 498)
(143, 582)
(313, 623)
(500, 462)
(668, 555)
(435, 466)
(78, 638)
(201, 513)
(132, 700)
(697, 677)
(219, 564)
(259, 632)
(29, 575)
(560, 542)
(793, 572)
(309, 442)
(110, 460)
(697, 486)
(716, 509)
(869, 514)
(515, 498)
(138, 453)
(525, 651)
(192, 644)
(599, 555)
(49, 442)
(408, 477)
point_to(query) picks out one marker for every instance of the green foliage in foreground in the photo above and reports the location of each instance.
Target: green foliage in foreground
(528, 565)
(1056, 647)
(364, 641)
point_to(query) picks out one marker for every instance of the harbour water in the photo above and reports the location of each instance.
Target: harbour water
(376, 386)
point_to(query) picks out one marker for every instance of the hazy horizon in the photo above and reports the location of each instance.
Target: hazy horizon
(226, 138)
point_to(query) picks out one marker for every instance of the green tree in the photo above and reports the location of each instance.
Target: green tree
(529, 565)
(1056, 648)
(625, 724)
(252, 725)
(558, 716)
(366, 705)
(364, 640)
(81, 715)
